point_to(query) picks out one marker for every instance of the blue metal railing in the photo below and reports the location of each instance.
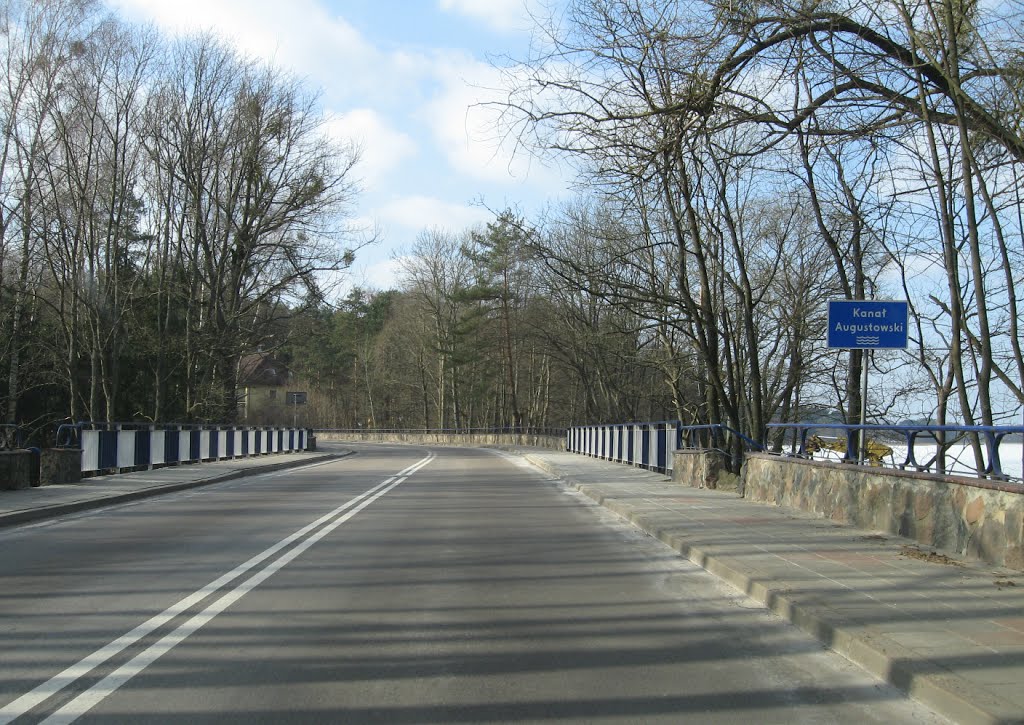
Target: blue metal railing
(728, 441)
(118, 446)
(715, 436)
(939, 449)
(980, 451)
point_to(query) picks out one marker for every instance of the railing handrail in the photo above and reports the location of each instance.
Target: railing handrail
(107, 447)
(1002, 429)
(143, 425)
(617, 425)
(523, 430)
(751, 443)
(69, 435)
(606, 440)
(989, 437)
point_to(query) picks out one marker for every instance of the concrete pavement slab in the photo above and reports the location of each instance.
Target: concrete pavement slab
(947, 630)
(33, 504)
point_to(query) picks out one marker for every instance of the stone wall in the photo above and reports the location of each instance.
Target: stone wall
(971, 517)
(60, 465)
(702, 468)
(448, 439)
(18, 469)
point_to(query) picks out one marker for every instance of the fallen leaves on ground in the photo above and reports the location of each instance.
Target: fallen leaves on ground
(932, 556)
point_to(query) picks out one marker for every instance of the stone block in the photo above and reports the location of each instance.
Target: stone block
(698, 468)
(60, 465)
(975, 510)
(16, 469)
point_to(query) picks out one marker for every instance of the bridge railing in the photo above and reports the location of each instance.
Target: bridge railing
(492, 430)
(994, 452)
(718, 437)
(650, 445)
(116, 446)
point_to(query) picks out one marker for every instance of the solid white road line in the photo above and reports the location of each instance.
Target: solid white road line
(90, 662)
(296, 469)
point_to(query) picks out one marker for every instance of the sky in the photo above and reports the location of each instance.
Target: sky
(402, 79)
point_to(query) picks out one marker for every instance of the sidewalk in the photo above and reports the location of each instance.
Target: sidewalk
(950, 632)
(32, 504)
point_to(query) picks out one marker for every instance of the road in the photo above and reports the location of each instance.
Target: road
(398, 585)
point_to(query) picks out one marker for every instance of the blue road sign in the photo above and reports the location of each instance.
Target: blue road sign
(867, 325)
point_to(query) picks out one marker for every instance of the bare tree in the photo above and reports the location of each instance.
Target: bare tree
(436, 276)
(258, 195)
(39, 40)
(692, 114)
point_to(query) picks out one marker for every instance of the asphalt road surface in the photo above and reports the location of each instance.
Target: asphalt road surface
(398, 585)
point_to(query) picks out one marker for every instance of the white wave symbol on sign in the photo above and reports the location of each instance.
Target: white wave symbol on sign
(868, 340)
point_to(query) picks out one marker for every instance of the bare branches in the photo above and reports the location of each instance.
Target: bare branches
(171, 204)
(688, 115)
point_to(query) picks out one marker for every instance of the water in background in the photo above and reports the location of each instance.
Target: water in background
(959, 459)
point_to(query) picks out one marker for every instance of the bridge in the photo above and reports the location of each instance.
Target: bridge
(439, 583)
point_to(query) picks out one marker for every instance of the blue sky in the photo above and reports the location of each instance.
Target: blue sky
(401, 79)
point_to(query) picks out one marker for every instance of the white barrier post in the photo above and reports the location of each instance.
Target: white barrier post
(90, 450)
(671, 442)
(156, 446)
(125, 448)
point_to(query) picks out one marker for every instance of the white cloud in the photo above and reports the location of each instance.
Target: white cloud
(300, 35)
(379, 275)
(416, 213)
(464, 117)
(503, 15)
(407, 108)
(382, 147)
(257, 27)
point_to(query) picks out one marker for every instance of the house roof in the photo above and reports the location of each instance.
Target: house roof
(262, 368)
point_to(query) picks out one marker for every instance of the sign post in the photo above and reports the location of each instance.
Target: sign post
(867, 325)
(296, 399)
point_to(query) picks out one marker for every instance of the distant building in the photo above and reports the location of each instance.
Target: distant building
(264, 384)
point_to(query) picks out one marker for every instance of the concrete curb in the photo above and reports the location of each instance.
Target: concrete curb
(14, 518)
(941, 690)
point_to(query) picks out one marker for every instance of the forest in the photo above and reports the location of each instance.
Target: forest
(170, 207)
(164, 206)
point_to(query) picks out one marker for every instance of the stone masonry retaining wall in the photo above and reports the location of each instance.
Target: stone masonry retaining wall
(25, 468)
(18, 470)
(60, 465)
(702, 468)
(447, 439)
(981, 519)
